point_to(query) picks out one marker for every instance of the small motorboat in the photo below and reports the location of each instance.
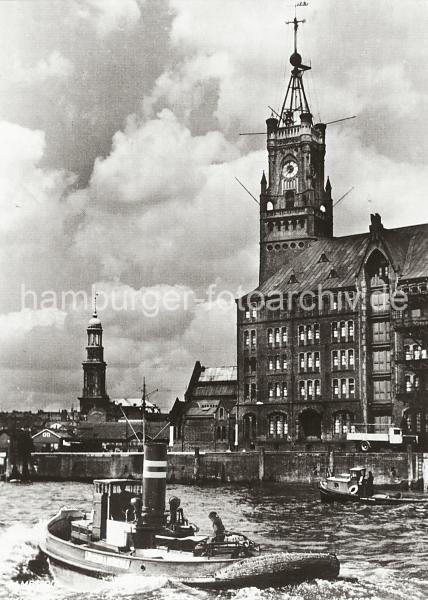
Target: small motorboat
(356, 487)
(129, 532)
(347, 487)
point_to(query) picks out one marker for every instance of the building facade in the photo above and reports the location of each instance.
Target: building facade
(335, 337)
(206, 419)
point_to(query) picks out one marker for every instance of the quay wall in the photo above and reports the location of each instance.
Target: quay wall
(388, 468)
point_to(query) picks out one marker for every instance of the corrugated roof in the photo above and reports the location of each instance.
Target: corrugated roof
(219, 374)
(215, 390)
(407, 246)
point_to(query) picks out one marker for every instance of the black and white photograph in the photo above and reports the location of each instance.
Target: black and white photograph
(213, 299)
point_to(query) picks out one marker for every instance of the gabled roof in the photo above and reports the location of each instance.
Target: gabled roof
(406, 246)
(60, 434)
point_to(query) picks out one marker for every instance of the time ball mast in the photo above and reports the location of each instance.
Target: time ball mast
(295, 102)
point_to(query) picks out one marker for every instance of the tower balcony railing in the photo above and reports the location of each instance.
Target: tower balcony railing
(296, 130)
(415, 361)
(295, 212)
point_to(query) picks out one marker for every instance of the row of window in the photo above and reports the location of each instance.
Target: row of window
(277, 336)
(416, 422)
(343, 388)
(278, 425)
(382, 391)
(278, 390)
(411, 382)
(381, 332)
(381, 361)
(414, 352)
(309, 334)
(310, 389)
(343, 359)
(250, 338)
(309, 362)
(342, 331)
(277, 363)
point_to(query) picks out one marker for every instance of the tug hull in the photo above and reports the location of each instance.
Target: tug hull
(69, 561)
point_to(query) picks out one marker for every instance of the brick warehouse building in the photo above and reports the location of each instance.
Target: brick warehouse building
(324, 344)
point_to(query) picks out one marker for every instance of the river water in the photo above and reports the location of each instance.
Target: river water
(385, 548)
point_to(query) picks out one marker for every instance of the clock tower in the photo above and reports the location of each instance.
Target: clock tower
(295, 201)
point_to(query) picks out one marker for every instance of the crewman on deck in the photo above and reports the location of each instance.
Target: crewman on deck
(369, 484)
(124, 503)
(218, 527)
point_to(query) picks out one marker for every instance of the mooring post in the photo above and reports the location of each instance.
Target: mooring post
(262, 464)
(331, 462)
(196, 465)
(410, 474)
(425, 470)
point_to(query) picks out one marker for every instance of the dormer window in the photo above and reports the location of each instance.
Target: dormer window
(332, 274)
(292, 279)
(323, 258)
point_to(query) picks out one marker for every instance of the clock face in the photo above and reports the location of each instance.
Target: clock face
(290, 169)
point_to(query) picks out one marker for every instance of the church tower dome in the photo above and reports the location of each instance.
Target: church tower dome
(295, 201)
(94, 322)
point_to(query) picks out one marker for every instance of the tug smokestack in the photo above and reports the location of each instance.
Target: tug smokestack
(154, 484)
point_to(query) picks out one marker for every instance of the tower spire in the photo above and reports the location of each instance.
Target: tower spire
(95, 305)
(295, 101)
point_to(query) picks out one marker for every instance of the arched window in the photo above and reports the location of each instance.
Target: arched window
(278, 425)
(342, 423)
(269, 206)
(249, 426)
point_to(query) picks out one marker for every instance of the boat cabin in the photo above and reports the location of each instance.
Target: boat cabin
(112, 512)
(347, 485)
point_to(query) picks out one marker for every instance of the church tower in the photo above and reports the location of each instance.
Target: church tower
(94, 402)
(295, 203)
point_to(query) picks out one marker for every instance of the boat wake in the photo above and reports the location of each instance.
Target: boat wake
(18, 548)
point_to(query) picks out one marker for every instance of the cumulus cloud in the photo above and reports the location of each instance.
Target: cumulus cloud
(157, 160)
(182, 206)
(107, 15)
(54, 66)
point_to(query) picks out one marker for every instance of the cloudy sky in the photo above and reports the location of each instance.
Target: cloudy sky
(119, 145)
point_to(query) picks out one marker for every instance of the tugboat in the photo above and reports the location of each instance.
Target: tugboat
(129, 532)
(356, 487)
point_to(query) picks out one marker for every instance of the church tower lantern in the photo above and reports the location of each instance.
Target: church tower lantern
(295, 200)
